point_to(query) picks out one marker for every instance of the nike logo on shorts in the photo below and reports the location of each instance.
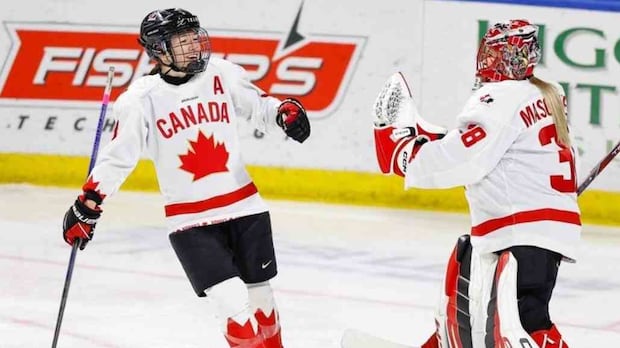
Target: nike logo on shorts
(265, 264)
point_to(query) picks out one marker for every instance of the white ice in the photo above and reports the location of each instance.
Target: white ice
(377, 270)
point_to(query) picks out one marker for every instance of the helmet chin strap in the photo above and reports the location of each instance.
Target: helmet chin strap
(197, 65)
(174, 67)
(171, 67)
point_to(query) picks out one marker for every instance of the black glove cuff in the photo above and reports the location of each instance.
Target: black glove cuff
(84, 213)
(93, 196)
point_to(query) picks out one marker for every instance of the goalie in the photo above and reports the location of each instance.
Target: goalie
(512, 152)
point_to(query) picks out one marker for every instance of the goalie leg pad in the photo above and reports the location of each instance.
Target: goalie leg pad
(518, 297)
(452, 319)
(479, 306)
(458, 275)
(503, 323)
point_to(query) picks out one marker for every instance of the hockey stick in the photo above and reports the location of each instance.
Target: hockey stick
(78, 243)
(598, 168)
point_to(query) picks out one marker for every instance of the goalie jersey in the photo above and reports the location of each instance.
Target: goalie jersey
(520, 185)
(190, 133)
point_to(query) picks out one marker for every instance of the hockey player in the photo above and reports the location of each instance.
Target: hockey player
(512, 152)
(185, 117)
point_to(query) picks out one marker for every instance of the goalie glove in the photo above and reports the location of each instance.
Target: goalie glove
(399, 131)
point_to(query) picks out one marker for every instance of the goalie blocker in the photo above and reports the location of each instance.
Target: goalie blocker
(399, 131)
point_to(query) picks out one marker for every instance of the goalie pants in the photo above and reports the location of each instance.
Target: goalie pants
(536, 275)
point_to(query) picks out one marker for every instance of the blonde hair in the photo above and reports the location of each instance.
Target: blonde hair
(156, 69)
(556, 106)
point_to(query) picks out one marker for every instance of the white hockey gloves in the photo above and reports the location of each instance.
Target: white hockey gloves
(399, 129)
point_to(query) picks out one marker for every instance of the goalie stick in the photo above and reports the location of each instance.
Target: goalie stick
(598, 168)
(91, 164)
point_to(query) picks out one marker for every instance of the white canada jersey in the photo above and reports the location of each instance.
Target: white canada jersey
(519, 183)
(190, 133)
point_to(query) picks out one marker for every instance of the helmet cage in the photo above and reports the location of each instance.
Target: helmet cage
(508, 51)
(194, 42)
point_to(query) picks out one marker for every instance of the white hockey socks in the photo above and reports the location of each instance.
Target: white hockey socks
(239, 325)
(262, 304)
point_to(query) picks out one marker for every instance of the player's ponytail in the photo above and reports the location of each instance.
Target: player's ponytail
(556, 106)
(156, 69)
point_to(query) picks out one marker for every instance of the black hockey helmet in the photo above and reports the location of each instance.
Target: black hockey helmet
(157, 29)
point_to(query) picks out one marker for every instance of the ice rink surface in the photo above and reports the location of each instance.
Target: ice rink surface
(378, 270)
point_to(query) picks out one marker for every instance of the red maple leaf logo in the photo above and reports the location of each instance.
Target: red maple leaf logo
(204, 157)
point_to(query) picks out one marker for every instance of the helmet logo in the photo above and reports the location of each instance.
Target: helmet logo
(153, 16)
(186, 20)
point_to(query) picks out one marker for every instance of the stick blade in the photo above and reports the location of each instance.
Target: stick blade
(352, 338)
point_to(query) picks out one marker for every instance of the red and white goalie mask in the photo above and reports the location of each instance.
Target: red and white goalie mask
(508, 51)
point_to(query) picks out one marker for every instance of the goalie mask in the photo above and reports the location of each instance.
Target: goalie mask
(508, 51)
(175, 39)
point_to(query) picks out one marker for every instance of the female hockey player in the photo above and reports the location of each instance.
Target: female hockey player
(512, 152)
(185, 117)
